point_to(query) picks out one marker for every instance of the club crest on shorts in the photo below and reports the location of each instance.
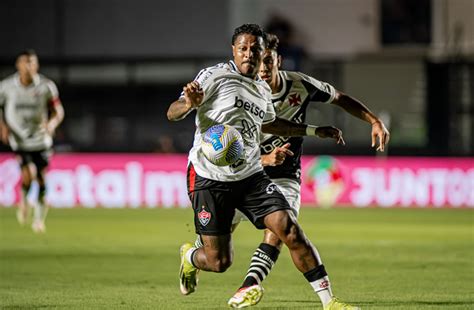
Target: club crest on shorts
(204, 217)
(271, 188)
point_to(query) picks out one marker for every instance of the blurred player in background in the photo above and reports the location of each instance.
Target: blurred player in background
(232, 93)
(292, 92)
(31, 113)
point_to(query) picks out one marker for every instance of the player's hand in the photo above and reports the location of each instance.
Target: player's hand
(50, 128)
(330, 132)
(193, 94)
(277, 156)
(380, 132)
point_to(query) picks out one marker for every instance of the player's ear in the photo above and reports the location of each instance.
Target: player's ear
(279, 61)
(233, 51)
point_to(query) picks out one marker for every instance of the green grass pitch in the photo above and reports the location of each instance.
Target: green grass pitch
(128, 259)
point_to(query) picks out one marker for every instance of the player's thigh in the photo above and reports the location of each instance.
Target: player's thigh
(284, 225)
(41, 161)
(262, 197)
(213, 212)
(27, 166)
(291, 189)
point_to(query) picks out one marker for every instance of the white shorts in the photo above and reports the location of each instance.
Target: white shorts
(290, 188)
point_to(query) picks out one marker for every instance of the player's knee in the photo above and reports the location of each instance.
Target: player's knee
(26, 184)
(294, 237)
(221, 265)
(272, 239)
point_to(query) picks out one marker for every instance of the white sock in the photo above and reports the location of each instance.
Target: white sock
(198, 243)
(323, 288)
(40, 211)
(189, 254)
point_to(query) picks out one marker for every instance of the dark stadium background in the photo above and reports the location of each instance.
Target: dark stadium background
(119, 64)
(404, 242)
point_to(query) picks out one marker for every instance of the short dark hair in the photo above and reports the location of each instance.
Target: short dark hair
(28, 52)
(272, 42)
(252, 29)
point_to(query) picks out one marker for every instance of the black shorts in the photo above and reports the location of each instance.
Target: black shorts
(214, 202)
(39, 158)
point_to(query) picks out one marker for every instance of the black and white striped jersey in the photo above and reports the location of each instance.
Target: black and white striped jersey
(290, 103)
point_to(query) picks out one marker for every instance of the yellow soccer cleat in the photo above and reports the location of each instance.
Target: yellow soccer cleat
(188, 278)
(246, 297)
(336, 304)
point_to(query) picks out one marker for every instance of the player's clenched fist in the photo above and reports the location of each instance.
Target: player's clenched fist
(330, 132)
(193, 94)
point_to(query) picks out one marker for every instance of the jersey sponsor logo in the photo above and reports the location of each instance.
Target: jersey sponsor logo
(267, 148)
(26, 106)
(248, 129)
(204, 217)
(271, 188)
(324, 284)
(249, 106)
(265, 258)
(294, 99)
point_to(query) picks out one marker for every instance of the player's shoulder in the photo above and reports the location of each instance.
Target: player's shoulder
(295, 76)
(45, 80)
(206, 75)
(9, 80)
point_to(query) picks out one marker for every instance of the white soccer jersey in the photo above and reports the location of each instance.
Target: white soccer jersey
(233, 99)
(298, 90)
(26, 111)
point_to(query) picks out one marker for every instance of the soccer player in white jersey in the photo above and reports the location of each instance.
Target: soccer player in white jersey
(292, 92)
(232, 93)
(31, 113)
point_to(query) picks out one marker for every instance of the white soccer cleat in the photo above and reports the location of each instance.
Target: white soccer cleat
(38, 226)
(246, 297)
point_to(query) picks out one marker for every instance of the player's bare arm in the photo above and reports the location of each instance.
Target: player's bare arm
(285, 128)
(359, 110)
(56, 117)
(192, 99)
(3, 132)
(277, 156)
(3, 128)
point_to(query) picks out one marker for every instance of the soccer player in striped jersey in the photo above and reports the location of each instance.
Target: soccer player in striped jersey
(292, 92)
(233, 94)
(31, 113)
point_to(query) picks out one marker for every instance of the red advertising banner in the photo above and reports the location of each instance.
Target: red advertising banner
(156, 180)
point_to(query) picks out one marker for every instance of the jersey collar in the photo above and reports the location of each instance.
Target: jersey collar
(36, 80)
(283, 87)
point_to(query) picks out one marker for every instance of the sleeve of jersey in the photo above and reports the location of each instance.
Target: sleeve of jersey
(270, 115)
(53, 94)
(325, 92)
(205, 79)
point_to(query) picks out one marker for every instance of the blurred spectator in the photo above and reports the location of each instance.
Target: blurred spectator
(291, 52)
(165, 144)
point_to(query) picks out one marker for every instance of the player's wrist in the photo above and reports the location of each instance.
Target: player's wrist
(311, 130)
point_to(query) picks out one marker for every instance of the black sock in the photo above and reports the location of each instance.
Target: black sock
(263, 259)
